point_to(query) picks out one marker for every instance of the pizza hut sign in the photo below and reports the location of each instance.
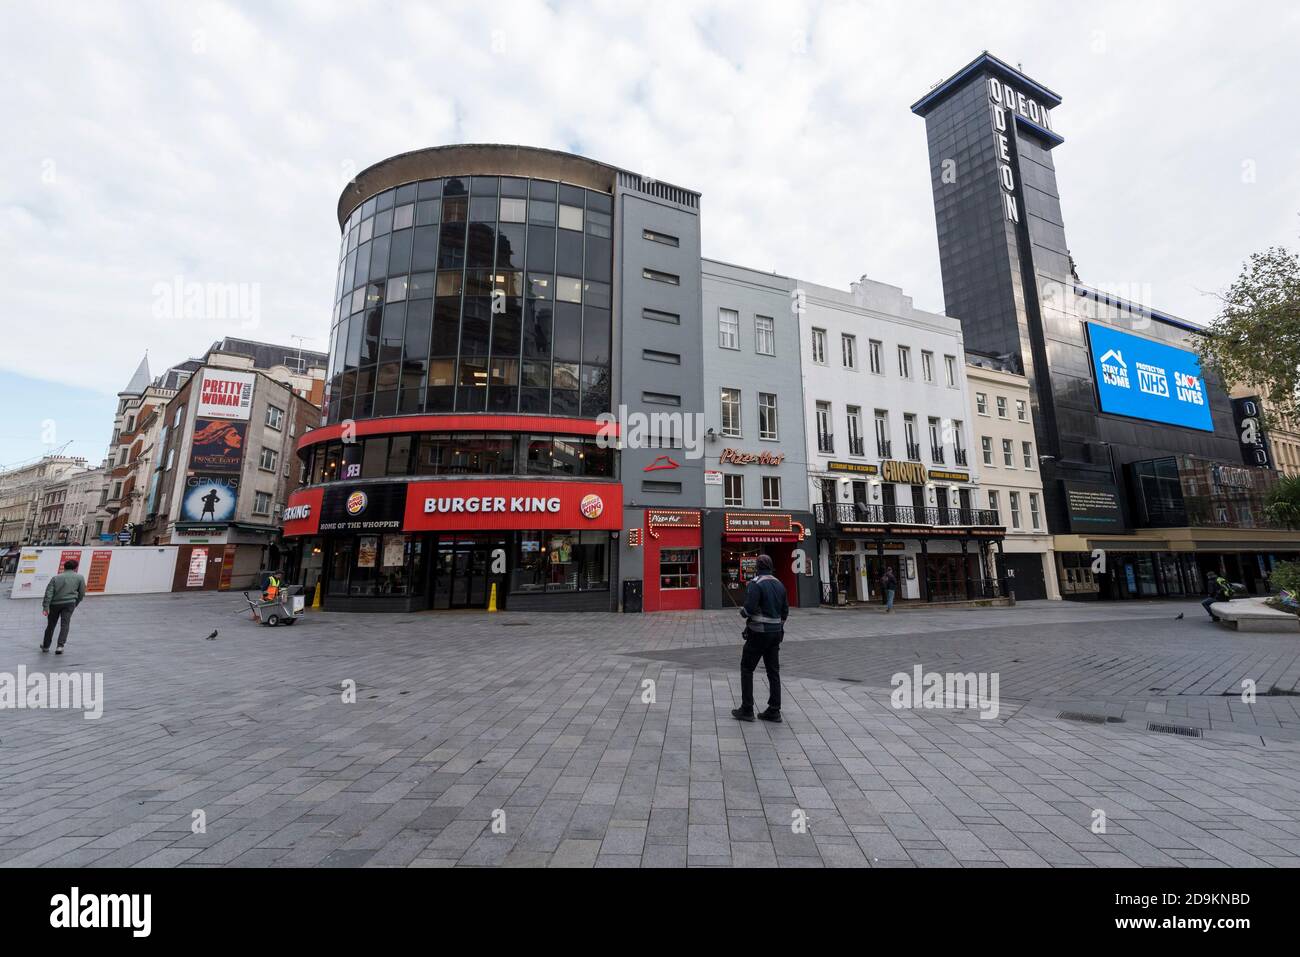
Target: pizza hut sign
(737, 457)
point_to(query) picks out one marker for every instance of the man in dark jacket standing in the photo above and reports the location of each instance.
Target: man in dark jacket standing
(766, 609)
(63, 594)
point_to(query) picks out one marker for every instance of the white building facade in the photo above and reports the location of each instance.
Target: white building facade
(1011, 483)
(889, 437)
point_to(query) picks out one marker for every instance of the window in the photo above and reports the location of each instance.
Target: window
(733, 490)
(875, 349)
(767, 416)
(849, 351)
(512, 210)
(731, 412)
(950, 369)
(176, 419)
(679, 569)
(1027, 452)
(567, 289)
(551, 561)
(1002, 407)
(765, 335)
(959, 450)
(855, 431)
(819, 346)
(261, 503)
(1022, 413)
(728, 329)
(658, 237)
(882, 433)
(1033, 510)
(654, 275)
(982, 403)
(995, 507)
(1015, 508)
(927, 366)
(771, 491)
(268, 459)
(936, 439)
(658, 315)
(986, 446)
(909, 433)
(570, 217)
(825, 431)
(274, 417)
(1008, 454)
(905, 362)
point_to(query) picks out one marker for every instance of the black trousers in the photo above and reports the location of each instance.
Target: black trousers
(765, 647)
(58, 613)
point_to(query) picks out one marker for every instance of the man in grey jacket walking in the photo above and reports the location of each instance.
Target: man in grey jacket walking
(63, 594)
(766, 609)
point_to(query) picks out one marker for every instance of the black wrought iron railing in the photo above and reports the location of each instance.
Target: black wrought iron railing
(825, 442)
(856, 445)
(936, 454)
(914, 451)
(960, 457)
(885, 449)
(859, 513)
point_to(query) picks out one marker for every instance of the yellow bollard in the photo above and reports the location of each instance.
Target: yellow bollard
(315, 601)
(492, 598)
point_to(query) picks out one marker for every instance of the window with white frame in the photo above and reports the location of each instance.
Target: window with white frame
(1022, 411)
(1033, 510)
(995, 506)
(875, 350)
(905, 362)
(986, 446)
(982, 403)
(767, 416)
(268, 459)
(728, 329)
(855, 430)
(1002, 407)
(731, 413)
(1027, 451)
(261, 503)
(849, 351)
(825, 430)
(733, 490)
(819, 346)
(765, 335)
(950, 370)
(1008, 454)
(882, 433)
(274, 417)
(1015, 508)
(771, 491)
(927, 366)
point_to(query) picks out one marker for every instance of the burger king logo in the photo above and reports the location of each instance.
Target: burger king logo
(592, 506)
(356, 503)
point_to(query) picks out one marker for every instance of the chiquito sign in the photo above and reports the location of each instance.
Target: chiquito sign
(1004, 99)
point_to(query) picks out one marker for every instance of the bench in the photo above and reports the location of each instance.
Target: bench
(1252, 614)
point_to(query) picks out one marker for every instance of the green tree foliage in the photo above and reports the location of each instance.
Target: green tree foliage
(1256, 338)
(1282, 502)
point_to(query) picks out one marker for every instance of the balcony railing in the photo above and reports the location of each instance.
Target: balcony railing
(860, 513)
(825, 442)
(936, 454)
(960, 457)
(856, 445)
(914, 451)
(885, 448)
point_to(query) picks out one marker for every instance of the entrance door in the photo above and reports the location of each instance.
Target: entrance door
(461, 571)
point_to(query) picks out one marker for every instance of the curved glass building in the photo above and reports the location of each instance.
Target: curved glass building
(476, 320)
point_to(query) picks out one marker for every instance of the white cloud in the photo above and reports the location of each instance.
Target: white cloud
(147, 141)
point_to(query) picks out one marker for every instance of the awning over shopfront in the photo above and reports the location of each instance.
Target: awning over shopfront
(761, 528)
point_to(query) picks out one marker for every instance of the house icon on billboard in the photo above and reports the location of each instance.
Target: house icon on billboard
(1114, 370)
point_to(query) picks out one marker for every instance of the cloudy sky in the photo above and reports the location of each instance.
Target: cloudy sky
(153, 143)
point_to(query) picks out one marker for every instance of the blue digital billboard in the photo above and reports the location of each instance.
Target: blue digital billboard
(1149, 380)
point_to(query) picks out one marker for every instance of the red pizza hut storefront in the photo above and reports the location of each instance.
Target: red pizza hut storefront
(527, 544)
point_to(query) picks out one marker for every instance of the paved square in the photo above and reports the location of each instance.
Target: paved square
(537, 724)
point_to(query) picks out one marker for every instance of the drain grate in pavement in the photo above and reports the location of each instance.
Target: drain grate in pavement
(1089, 718)
(1175, 729)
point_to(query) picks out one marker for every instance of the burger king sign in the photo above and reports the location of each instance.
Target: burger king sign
(592, 506)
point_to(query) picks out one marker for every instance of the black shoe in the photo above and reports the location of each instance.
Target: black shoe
(44, 648)
(740, 714)
(58, 650)
(771, 714)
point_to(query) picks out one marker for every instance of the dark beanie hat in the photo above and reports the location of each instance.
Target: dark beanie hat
(765, 564)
